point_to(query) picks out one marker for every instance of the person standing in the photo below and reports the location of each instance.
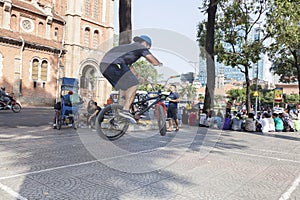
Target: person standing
(173, 99)
(228, 107)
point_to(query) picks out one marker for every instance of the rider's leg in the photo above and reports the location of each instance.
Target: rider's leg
(6, 101)
(129, 97)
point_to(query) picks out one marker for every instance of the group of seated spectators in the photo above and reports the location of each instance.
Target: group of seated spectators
(263, 122)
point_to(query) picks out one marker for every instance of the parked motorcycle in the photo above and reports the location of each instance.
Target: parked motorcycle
(14, 105)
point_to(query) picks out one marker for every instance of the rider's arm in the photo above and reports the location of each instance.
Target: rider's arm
(152, 60)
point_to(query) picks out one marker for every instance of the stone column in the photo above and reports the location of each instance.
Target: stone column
(6, 14)
(17, 79)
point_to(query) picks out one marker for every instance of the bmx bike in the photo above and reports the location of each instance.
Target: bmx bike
(112, 126)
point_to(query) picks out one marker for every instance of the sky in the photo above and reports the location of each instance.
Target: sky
(172, 25)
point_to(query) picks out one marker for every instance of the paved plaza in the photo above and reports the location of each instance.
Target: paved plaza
(38, 162)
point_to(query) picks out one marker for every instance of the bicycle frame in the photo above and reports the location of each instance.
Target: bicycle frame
(140, 112)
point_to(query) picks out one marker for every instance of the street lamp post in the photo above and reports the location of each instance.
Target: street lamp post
(256, 85)
(256, 89)
(194, 64)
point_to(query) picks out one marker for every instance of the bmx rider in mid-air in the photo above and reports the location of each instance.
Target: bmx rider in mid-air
(116, 67)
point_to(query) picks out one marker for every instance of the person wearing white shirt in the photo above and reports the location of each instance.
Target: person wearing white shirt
(265, 123)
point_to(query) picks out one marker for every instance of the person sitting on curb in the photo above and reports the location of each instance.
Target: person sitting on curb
(92, 118)
(278, 122)
(237, 123)
(250, 123)
(227, 122)
(265, 124)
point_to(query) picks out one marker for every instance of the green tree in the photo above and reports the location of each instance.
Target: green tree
(292, 98)
(147, 74)
(266, 97)
(187, 90)
(283, 24)
(237, 95)
(234, 45)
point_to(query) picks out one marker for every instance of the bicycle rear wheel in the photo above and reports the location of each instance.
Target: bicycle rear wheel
(109, 124)
(161, 120)
(58, 119)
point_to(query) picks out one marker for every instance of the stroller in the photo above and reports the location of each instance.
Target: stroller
(66, 112)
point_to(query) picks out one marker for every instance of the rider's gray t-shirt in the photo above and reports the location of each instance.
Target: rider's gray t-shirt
(125, 54)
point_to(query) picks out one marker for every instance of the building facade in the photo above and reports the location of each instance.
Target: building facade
(44, 40)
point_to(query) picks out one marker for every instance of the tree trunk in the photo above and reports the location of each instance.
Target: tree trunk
(125, 28)
(248, 97)
(210, 65)
(298, 70)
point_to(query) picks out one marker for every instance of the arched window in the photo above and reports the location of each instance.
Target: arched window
(41, 30)
(44, 71)
(96, 9)
(87, 7)
(13, 23)
(35, 70)
(39, 71)
(86, 40)
(56, 33)
(95, 39)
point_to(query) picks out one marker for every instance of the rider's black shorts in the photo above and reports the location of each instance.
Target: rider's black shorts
(119, 76)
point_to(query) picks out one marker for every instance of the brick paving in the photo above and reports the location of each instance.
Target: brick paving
(38, 162)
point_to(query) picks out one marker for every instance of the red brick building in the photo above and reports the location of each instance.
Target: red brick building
(44, 40)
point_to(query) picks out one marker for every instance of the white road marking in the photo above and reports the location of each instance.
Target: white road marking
(135, 153)
(289, 192)
(49, 169)
(11, 192)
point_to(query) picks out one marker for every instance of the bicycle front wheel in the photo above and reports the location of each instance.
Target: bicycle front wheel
(109, 124)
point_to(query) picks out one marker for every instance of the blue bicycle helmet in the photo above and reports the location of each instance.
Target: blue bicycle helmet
(141, 38)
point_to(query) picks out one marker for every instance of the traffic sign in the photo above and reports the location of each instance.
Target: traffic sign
(255, 94)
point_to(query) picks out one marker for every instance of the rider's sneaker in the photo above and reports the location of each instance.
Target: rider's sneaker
(127, 115)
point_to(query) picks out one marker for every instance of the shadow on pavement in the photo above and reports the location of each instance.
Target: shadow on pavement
(57, 165)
